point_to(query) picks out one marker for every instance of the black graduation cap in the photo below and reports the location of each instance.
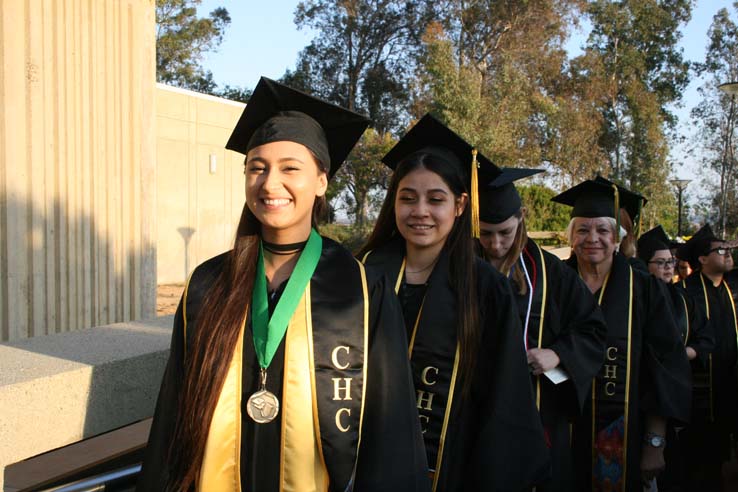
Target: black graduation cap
(499, 200)
(697, 246)
(589, 199)
(278, 113)
(652, 241)
(631, 201)
(431, 136)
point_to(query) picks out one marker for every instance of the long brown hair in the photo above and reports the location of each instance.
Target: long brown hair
(459, 246)
(513, 254)
(210, 352)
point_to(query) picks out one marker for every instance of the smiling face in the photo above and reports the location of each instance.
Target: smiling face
(661, 265)
(497, 239)
(425, 209)
(593, 239)
(282, 182)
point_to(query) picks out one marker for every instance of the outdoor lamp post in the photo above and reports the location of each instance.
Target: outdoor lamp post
(681, 184)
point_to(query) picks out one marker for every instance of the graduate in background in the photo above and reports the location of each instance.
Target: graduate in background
(563, 327)
(288, 367)
(476, 407)
(710, 260)
(680, 453)
(619, 441)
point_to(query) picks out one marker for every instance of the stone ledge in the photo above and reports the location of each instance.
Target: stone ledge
(58, 389)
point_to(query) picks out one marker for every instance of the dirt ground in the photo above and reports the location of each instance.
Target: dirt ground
(167, 298)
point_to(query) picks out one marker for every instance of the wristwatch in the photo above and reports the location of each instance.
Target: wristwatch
(654, 440)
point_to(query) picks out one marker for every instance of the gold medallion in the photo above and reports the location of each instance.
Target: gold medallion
(262, 406)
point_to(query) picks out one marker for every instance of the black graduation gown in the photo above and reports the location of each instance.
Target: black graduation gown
(391, 454)
(717, 305)
(650, 365)
(574, 328)
(494, 439)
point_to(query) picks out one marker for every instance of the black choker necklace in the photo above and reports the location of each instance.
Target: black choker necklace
(283, 249)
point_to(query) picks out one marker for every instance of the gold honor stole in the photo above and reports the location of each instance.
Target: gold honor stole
(325, 369)
(433, 351)
(611, 386)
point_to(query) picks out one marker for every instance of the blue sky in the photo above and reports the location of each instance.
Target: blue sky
(263, 40)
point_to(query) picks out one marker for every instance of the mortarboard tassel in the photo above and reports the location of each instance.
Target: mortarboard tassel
(474, 196)
(617, 211)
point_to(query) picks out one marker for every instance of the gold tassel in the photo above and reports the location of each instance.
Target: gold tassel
(474, 195)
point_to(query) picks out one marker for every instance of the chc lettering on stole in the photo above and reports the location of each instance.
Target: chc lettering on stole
(341, 386)
(425, 398)
(611, 370)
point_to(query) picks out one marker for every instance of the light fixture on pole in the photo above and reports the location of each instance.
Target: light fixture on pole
(681, 184)
(730, 88)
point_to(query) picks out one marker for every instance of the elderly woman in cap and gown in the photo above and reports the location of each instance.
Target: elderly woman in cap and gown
(288, 366)
(680, 453)
(619, 440)
(563, 328)
(480, 425)
(710, 260)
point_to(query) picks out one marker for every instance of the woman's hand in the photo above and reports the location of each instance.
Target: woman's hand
(652, 462)
(542, 360)
(691, 353)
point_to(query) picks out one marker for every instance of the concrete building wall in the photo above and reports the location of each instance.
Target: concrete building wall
(77, 164)
(200, 185)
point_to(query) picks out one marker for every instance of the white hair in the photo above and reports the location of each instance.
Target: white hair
(610, 221)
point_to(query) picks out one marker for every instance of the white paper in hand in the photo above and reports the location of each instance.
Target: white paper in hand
(556, 375)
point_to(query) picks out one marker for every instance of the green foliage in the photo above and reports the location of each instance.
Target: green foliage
(633, 62)
(496, 72)
(182, 39)
(361, 55)
(234, 93)
(355, 184)
(541, 213)
(352, 237)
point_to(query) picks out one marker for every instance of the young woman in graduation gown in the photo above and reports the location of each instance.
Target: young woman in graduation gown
(681, 454)
(563, 328)
(645, 380)
(288, 367)
(476, 408)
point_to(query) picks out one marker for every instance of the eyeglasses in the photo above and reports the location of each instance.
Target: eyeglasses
(720, 251)
(661, 264)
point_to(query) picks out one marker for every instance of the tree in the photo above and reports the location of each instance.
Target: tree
(361, 57)
(182, 39)
(716, 116)
(495, 72)
(234, 93)
(361, 178)
(633, 61)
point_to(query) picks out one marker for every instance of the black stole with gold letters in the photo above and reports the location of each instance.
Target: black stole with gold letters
(340, 317)
(432, 348)
(611, 386)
